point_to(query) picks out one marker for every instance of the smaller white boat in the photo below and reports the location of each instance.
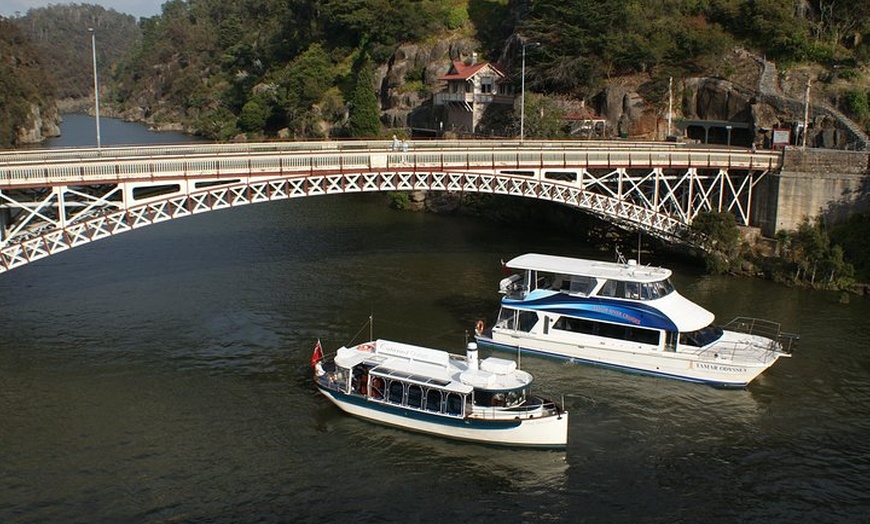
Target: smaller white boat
(440, 393)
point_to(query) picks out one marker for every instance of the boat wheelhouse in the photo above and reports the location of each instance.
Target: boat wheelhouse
(437, 392)
(630, 317)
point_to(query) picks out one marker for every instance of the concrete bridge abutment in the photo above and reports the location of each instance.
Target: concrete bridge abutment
(830, 183)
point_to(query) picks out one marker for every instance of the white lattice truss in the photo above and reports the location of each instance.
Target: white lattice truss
(40, 220)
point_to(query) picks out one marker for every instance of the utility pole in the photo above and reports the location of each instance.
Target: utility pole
(670, 105)
(96, 84)
(523, 91)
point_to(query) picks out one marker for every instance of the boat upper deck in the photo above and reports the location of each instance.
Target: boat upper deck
(591, 268)
(428, 366)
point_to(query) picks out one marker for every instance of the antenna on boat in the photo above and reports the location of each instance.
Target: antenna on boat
(619, 258)
(371, 326)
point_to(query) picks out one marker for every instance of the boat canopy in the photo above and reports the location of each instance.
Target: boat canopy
(593, 268)
(684, 313)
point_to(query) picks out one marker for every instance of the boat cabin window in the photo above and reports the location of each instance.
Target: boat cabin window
(581, 285)
(341, 377)
(454, 404)
(516, 319)
(636, 290)
(397, 392)
(608, 330)
(515, 397)
(433, 400)
(488, 398)
(502, 399)
(702, 337)
(415, 396)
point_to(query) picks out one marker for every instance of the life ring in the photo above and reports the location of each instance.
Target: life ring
(366, 347)
(478, 328)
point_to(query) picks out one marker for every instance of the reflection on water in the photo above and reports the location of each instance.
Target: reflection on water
(506, 467)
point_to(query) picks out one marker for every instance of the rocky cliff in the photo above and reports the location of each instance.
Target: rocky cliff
(753, 96)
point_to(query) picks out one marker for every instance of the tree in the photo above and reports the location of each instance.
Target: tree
(254, 115)
(364, 118)
(304, 83)
(720, 239)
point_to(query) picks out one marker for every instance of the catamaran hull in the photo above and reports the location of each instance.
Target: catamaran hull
(544, 432)
(718, 373)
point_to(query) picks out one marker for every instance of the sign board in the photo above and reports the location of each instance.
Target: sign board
(781, 137)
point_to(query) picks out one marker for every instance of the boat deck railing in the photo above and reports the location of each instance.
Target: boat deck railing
(532, 407)
(782, 341)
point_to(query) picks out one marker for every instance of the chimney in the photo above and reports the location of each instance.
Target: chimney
(473, 58)
(471, 356)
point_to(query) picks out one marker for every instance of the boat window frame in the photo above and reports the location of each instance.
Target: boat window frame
(440, 407)
(408, 396)
(390, 388)
(608, 330)
(449, 409)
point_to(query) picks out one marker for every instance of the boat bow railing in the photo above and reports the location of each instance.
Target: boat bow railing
(780, 341)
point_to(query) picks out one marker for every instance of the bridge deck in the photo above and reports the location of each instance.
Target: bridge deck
(53, 200)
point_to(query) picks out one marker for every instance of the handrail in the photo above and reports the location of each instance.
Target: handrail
(252, 161)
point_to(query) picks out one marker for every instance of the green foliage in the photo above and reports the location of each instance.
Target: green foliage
(364, 118)
(254, 115)
(852, 235)
(857, 104)
(721, 237)
(811, 258)
(303, 82)
(543, 119)
(60, 34)
(456, 16)
(23, 81)
(399, 200)
(217, 124)
(587, 41)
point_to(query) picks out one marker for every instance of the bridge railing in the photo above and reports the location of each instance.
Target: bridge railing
(210, 149)
(252, 161)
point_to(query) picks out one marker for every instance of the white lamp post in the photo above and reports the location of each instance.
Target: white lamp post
(96, 84)
(806, 114)
(523, 91)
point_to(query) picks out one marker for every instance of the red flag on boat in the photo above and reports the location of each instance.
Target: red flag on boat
(317, 356)
(506, 271)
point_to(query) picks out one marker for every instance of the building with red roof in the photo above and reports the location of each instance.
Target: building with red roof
(472, 88)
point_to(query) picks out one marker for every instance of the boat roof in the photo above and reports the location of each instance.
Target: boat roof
(429, 366)
(685, 314)
(587, 267)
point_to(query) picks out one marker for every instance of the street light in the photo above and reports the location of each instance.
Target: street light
(523, 91)
(96, 83)
(806, 114)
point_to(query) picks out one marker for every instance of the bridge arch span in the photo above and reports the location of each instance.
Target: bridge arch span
(54, 204)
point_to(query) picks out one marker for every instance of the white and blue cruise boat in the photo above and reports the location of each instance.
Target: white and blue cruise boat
(626, 316)
(440, 393)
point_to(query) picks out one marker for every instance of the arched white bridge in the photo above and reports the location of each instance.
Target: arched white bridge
(54, 200)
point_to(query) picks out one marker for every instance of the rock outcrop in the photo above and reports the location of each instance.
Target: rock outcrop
(41, 123)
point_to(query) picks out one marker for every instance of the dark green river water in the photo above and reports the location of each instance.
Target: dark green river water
(162, 376)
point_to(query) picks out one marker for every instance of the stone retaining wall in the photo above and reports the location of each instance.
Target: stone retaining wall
(813, 182)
